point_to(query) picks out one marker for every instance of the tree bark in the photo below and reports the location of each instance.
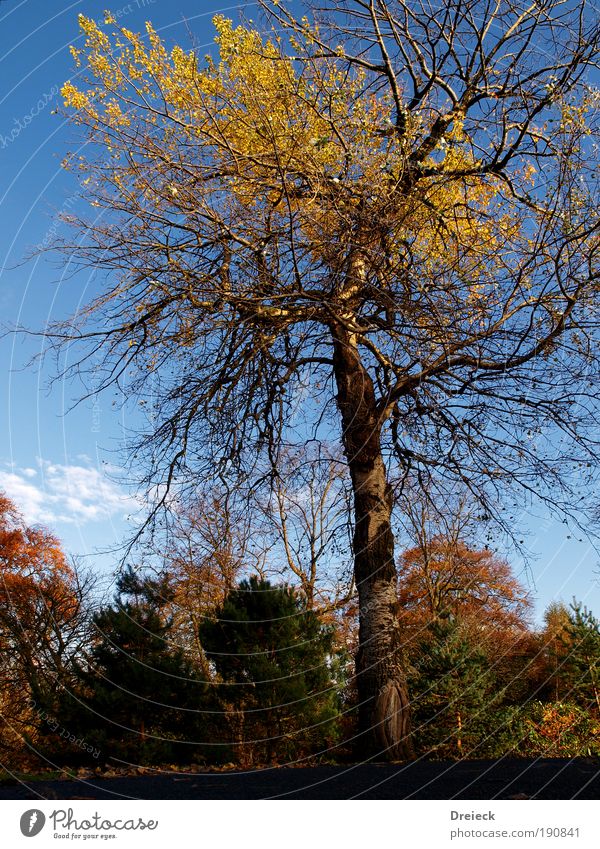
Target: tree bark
(384, 715)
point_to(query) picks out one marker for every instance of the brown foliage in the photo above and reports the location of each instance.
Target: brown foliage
(448, 577)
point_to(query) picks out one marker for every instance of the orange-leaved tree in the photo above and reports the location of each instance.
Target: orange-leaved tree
(451, 578)
(42, 622)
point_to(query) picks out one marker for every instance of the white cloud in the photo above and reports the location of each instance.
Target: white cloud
(26, 495)
(65, 493)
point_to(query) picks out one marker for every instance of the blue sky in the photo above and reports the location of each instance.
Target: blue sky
(62, 468)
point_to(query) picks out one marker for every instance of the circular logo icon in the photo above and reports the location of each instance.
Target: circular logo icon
(32, 822)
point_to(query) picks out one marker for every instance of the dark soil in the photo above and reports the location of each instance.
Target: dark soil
(502, 779)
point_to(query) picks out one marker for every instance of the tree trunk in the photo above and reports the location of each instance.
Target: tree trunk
(384, 717)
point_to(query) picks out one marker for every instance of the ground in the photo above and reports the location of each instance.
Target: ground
(546, 778)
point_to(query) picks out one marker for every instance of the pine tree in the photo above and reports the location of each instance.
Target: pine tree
(274, 658)
(452, 688)
(581, 664)
(139, 694)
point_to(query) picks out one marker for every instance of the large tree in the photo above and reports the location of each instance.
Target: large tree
(380, 225)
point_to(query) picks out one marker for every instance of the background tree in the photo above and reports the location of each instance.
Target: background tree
(454, 691)
(207, 547)
(43, 624)
(580, 668)
(552, 648)
(137, 695)
(274, 658)
(449, 578)
(393, 212)
(447, 572)
(307, 515)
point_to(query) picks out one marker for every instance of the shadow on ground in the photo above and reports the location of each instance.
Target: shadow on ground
(502, 779)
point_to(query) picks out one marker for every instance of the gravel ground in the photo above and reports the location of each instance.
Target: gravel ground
(503, 779)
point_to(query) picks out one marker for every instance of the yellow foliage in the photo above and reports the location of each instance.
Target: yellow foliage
(286, 139)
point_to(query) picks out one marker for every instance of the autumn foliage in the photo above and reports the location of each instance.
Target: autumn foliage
(446, 579)
(40, 623)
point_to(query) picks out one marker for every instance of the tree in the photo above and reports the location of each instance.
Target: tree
(274, 658)
(454, 691)
(137, 695)
(206, 549)
(446, 572)
(552, 639)
(580, 669)
(383, 228)
(42, 623)
(449, 578)
(443, 580)
(307, 517)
